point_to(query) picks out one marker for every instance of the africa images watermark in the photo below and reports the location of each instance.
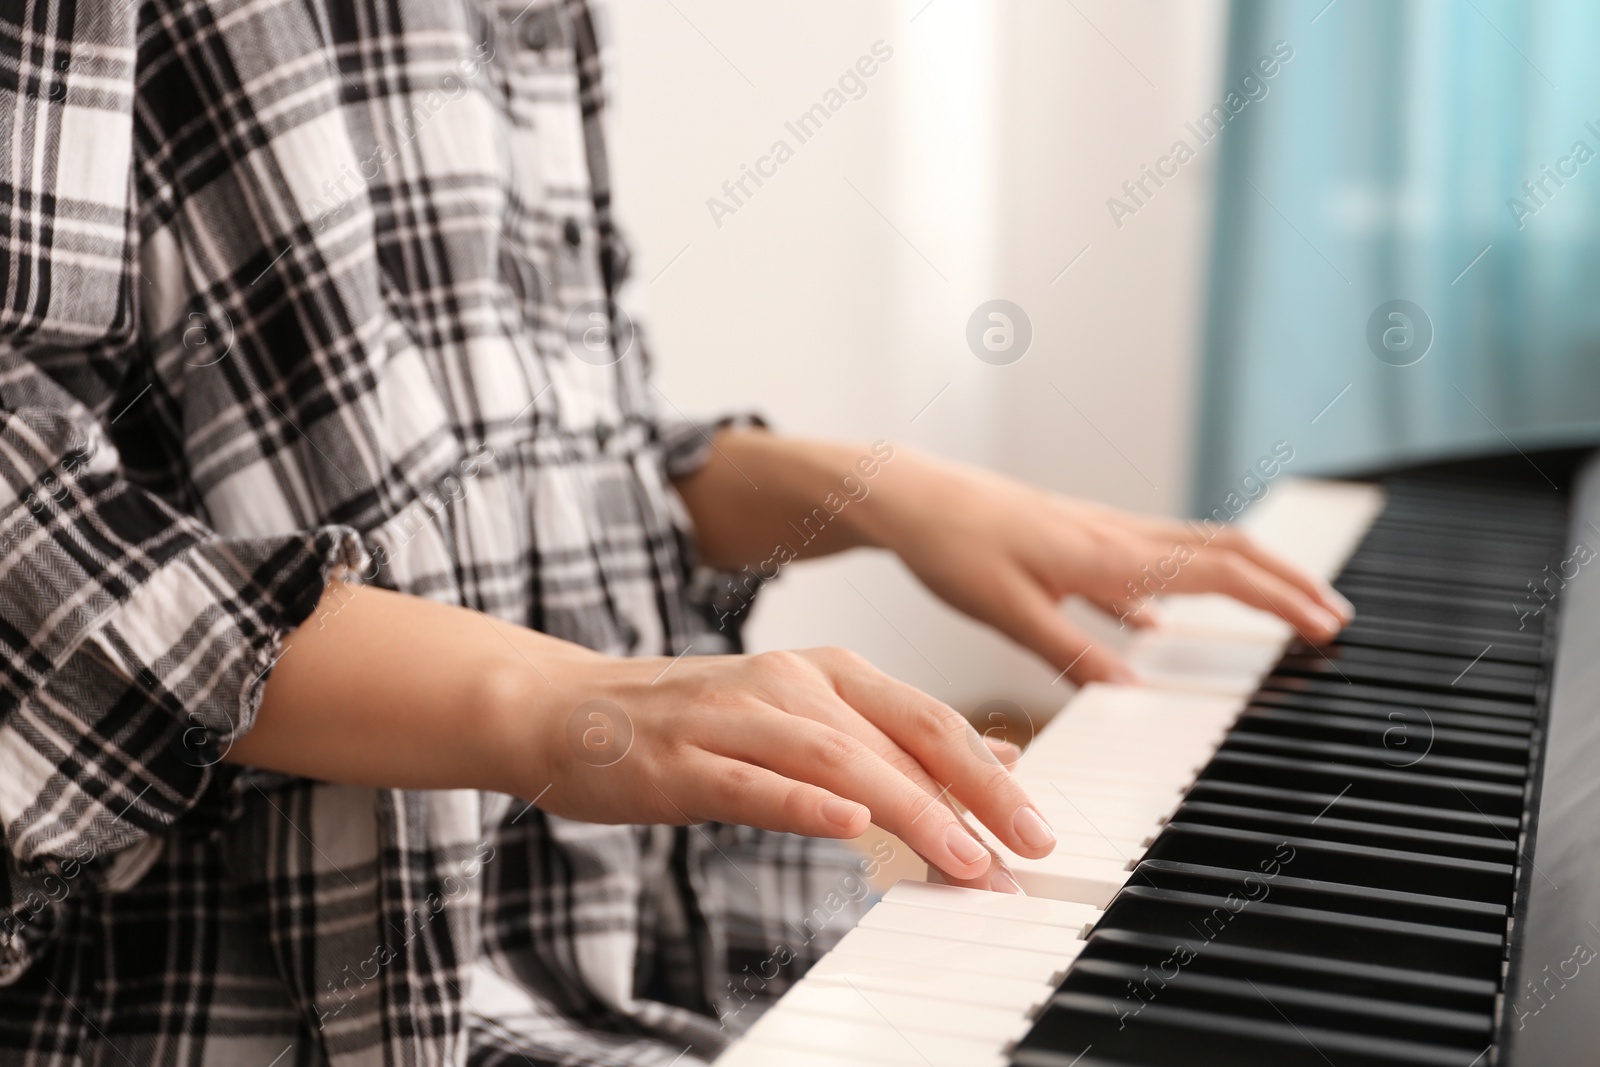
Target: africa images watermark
(854, 887)
(852, 85)
(1253, 889)
(1549, 987)
(740, 589)
(1252, 87)
(416, 920)
(451, 87)
(1537, 191)
(1252, 486)
(1551, 584)
(54, 489)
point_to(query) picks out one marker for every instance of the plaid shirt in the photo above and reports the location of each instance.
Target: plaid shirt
(307, 288)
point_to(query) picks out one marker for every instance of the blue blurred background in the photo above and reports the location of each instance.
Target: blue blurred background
(1445, 154)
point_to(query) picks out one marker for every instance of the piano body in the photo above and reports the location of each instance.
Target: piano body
(1379, 852)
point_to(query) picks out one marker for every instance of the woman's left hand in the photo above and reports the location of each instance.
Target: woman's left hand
(1007, 554)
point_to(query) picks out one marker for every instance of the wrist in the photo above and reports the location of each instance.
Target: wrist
(523, 702)
(899, 489)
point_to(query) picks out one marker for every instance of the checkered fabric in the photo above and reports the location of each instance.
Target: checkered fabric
(292, 289)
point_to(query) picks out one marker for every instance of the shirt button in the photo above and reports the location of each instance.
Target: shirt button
(572, 233)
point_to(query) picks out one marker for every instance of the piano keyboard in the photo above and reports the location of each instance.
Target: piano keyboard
(1280, 854)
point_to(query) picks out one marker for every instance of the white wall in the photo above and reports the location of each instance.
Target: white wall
(835, 299)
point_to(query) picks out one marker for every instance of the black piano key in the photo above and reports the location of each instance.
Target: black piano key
(1424, 677)
(1377, 694)
(1164, 1036)
(1315, 803)
(1328, 896)
(1393, 982)
(1470, 661)
(1203, 917)
(1422, 708)
(1408, 753)
(1367, 634)
(1371, 783)
(1348, 831)
(1389, 868)
(1392, 764)
(1248, 998)
(1392, 734)
(1528, 641)
(1498, 575)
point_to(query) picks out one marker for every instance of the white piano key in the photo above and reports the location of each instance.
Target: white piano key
(1020, 964)
(839, 999)
(1125, 752)
(1066, 817)
(866, 1042)
(1095, 795)
(1112, 770)
(942, 983)
(1131, 821)
(1150, 780)
(1071, 856)
(1202, 664)
(1130, 706)
(1176, 718)
(1128, 834)
(1156, 734)
(978, 929)
(981, 902)
(1091, 846)
(1091, 882)
(1316, 525)
(1153, 778)
(1216, 616)
(752, 1053)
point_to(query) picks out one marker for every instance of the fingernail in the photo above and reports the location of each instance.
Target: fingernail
(1121, 675)
(963, 846)
(1002, 882)
(1347, 610)
(1326, 621)
(842, 813)
(1031, 829)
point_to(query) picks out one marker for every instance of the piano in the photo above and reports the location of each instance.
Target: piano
(1382, 851)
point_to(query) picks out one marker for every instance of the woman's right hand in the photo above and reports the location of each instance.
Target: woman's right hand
(817, 742)
(393, 691)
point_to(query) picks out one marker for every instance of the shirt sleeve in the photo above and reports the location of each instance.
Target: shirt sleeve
(135, 642)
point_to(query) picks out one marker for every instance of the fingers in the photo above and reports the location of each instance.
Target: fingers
(1031, 618)
(1325, 595)
(1141, 615)
(714, 788)
(1003, 750)
(1248, 583)
(997, 878)
(944, 743)
(796, 747)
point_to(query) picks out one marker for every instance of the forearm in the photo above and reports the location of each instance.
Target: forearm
(762, 496)
(383, 689)
(391, 691)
